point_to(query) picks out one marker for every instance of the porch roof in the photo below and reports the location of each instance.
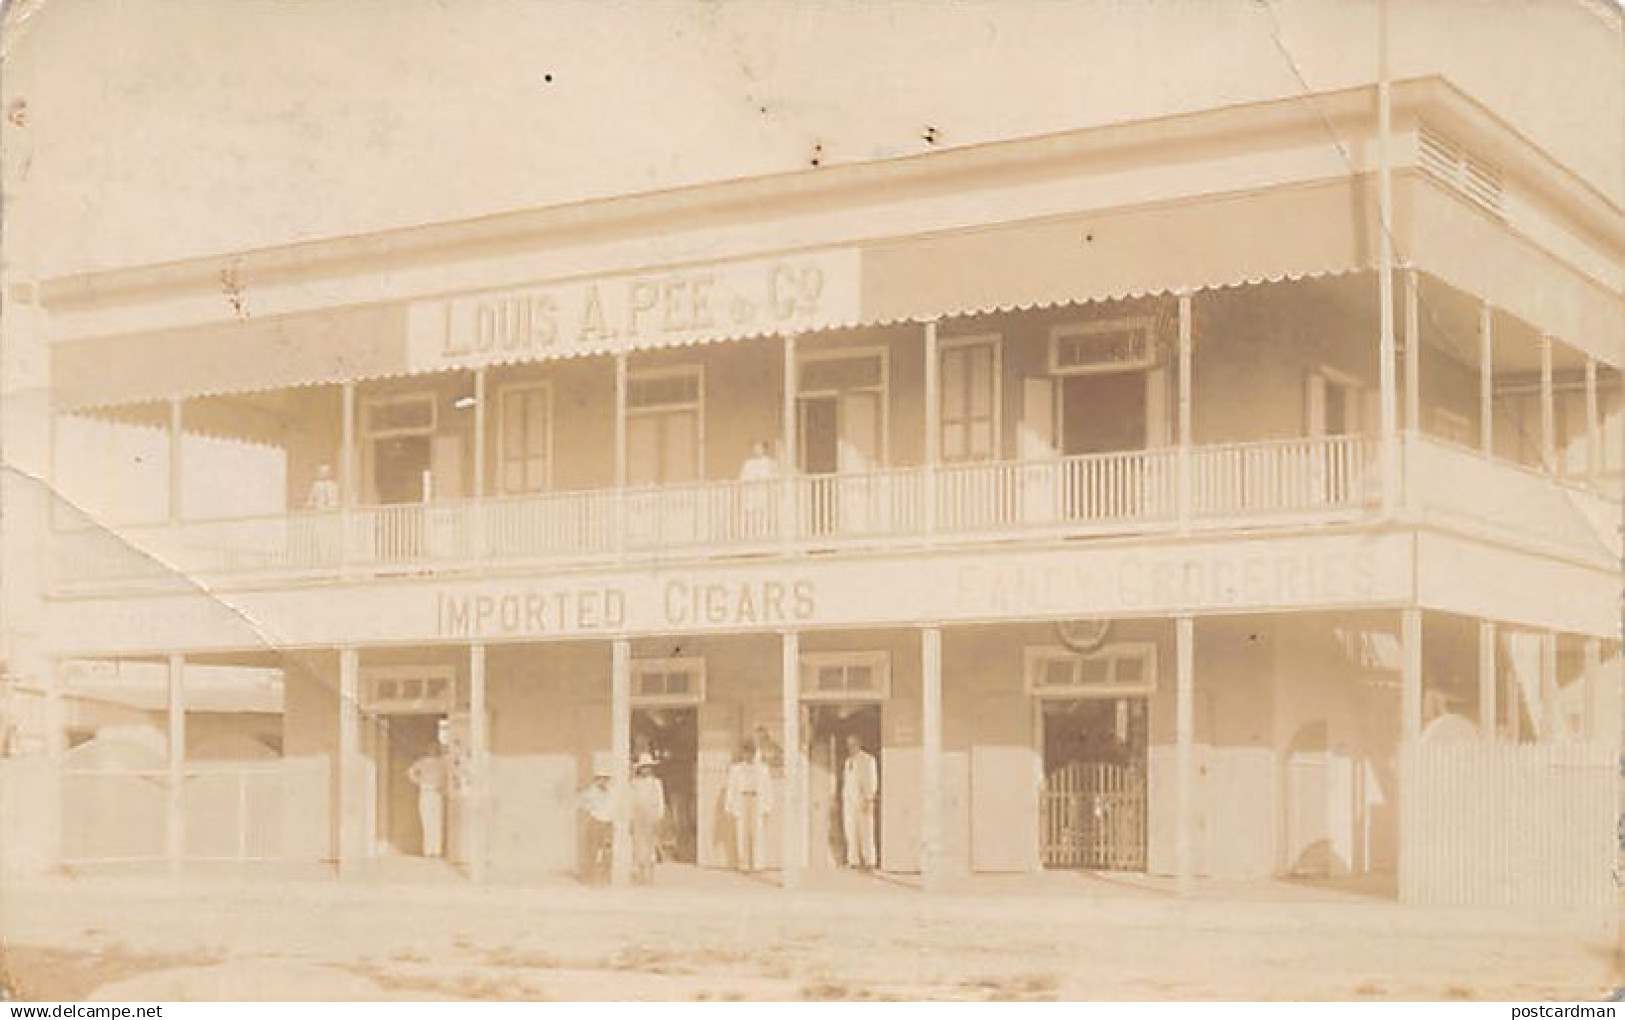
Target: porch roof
(1216, 200)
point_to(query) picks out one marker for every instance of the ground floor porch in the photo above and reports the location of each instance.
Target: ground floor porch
(1453, 760)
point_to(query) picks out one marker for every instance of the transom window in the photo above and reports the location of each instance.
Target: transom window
(1115, 670)
(837, 371)
(845, 676)
(409, 690)
(1109, 345)
(409, 414)
(525, 439)
(679, 681)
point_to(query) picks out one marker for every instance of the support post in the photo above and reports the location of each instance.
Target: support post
(1486, 381)
(1385, 273)
(620, 450)
(177, 433)
(1548, 409)
(1594, 432)
(933, 425)
(1183, 454)
(931, 846)
(175, 830)
(1549, 714)
(352, 825)
(1185, 752)
(620, 744)
(1487, 689)
(55, 762)
(479, 464)
(1413, 354)
(347, 477)
(1410, 681)
(787, 448)
(792, 812)
(1595, 721)
(478, 777)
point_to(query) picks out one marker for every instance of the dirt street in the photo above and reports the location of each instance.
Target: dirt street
(722, 938)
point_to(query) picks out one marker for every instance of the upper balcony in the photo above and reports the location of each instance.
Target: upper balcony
(1036, 426)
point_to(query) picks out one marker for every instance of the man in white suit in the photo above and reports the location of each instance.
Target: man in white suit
(860, 785)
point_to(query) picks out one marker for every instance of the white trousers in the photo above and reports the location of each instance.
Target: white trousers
(432, 816)
(858, 822)
(748, 835)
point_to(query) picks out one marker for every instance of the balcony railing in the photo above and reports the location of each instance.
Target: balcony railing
(1452, 483)
(1111, 493)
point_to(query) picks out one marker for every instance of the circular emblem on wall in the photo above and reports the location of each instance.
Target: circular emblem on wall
(1083, 636)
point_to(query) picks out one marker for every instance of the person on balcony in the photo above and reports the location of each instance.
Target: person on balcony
(747, 800)
(756, 476)
(324, 491)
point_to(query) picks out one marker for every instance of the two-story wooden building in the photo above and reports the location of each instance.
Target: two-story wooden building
(1231, 494)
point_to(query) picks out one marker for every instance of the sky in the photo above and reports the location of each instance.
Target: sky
(141, 131)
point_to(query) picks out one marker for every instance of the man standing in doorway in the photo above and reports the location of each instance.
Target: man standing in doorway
(430, 773)
(860, 785)
(747, 800)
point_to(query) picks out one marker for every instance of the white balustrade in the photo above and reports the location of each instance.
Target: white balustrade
(1116, 493)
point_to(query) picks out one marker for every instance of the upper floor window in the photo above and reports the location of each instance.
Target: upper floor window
(970, 399)
(665, 433)
(525, 438)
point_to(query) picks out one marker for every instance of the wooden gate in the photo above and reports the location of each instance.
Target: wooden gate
(1094, 816)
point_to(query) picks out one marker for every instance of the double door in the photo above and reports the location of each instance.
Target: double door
(840, 438)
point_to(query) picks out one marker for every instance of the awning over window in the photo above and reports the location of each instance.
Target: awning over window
(1283, 233)
(238, 356)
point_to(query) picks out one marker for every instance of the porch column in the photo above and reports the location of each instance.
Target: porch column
(933, 425)
(347, 466)
(478, 740)
(787, 448)
(1593, 428)
(792, 813)
(347, 474)
(55, 750)
(1486, 681)
(620, 751)
(1486, 381)
(479, 464)
(175, 830)
(1185, 751)
(1413, 355)
(1410, 680)
(1184, 451)
(931, 849)
(1595, 681)
(620, 451)
(1385, 274)
(1549, 714)
(1548, 409)
(177, 415)
(352, 825)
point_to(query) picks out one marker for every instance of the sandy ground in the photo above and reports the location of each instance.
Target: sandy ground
(701, 936)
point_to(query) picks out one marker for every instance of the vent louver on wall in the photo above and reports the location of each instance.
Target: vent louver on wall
(1456, 168)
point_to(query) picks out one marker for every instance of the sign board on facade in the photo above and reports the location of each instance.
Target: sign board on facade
(946, 587)
(787, 294)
